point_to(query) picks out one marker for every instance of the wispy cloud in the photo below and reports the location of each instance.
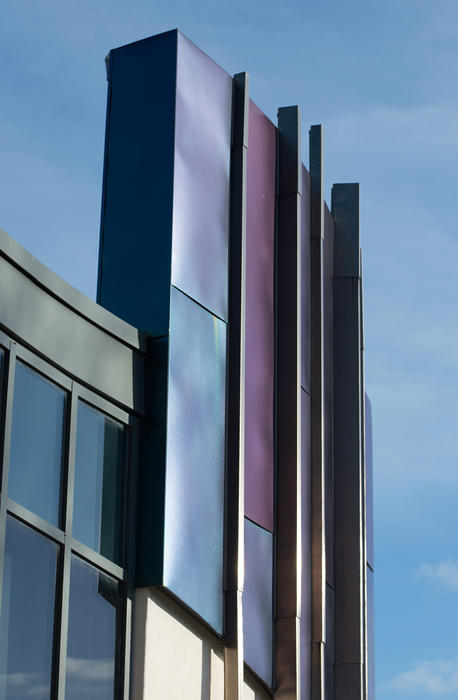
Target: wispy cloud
(433, 678)
(446, 573)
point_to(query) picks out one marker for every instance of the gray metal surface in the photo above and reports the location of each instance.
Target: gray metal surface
(288, 515)
(348, 461)
(317, 417)
(67, 339)
(235, 467)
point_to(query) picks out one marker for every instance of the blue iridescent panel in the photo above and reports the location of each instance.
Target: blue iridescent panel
(257, 600)
(98, 512)
(27, 619)
(36, 444)
(94, 622)
(370, 634)
(201, 178)
(194, 509)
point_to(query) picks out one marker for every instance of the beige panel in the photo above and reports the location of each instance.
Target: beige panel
(252, 689)
(173, 656)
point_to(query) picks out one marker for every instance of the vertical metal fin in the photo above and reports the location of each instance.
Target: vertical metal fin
(234, 572)
(288, 409)
(317, 417)
(348, 442)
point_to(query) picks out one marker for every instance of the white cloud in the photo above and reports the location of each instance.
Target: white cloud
(89, 669)
(445, 572)
(432, 677)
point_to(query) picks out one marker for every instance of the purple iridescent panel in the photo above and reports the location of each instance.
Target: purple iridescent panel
(194, 508)
(257, 600)
(328, 352)
(260, 331)
(201, 178)
(306, 522)
(369, 486)
(305, 281)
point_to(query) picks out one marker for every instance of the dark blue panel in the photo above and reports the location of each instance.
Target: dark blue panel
(369, 485)
(257, 600)
(98, 511)
(135, 249)
(306, 525)
(328, 351)
(370, 635)
(27, 620)
(36, 444)
(305, 281)
(194, 507)
(201, 178)
(94, 611)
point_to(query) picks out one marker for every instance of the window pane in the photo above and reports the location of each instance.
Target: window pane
(94, 615)
(27, 620)
(36, 444)
(99, 482)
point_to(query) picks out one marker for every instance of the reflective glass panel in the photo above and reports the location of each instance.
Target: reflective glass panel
(94, 610)
(27, 620)
(99, 482)
(36, 444)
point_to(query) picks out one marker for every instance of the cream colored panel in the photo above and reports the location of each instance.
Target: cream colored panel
(173, 656)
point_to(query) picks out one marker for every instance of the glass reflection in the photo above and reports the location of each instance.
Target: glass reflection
(36, 444)
(94, 614)
(27, 619)
(99, 482)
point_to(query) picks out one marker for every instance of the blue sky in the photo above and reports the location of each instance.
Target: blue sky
(381, 76)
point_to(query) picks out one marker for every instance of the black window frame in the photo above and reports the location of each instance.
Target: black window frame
(75, 391)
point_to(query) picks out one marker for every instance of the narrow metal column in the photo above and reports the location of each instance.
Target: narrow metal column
(288, 503)
(317, 418)
(348, 461)
(236, 396)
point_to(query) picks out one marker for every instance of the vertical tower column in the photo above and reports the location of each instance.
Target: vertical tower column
(348, 459)
(317, 412)
(288, 504)
(234, 540)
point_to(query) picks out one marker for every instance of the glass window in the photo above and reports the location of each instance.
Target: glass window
(36, 444)
(99, 482)
(94, 612)
(27, 619)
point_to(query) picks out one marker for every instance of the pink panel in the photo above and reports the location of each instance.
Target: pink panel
(259, 386)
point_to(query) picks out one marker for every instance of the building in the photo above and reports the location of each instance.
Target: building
(185, 506)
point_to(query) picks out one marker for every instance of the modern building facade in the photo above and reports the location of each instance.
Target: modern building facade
(186, 484)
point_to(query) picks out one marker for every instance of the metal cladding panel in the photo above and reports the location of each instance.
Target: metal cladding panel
(136, 229)
(328, 352)
(370, 635)
(329, 646)
(306, 524)
(201, 178)
(67, 339)
(257, 600)
(305, 281)
(194, 486)
(369, 485)
(260, 330)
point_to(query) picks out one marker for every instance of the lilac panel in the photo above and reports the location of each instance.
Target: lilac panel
(370, 635)
(369, 486)
(201, 178)
(328, 338)
(306, 579)
(257, 600)
(305, 281)
(260, 339)
(194, 507)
